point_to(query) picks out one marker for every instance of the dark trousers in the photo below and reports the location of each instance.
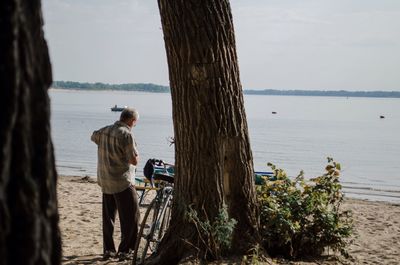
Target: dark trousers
(126, 203)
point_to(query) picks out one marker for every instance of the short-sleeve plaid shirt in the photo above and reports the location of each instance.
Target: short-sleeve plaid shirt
(116, 147)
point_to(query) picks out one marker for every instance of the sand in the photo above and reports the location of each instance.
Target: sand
(377, 239)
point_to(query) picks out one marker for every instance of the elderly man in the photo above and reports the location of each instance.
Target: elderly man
(117, 152)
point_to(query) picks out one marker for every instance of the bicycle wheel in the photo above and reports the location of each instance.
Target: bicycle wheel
(166, 218)
(157, 227)
(153, 226)
(162, 221)
(145, 230)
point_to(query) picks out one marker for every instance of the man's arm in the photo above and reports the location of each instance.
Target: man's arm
(131, 150)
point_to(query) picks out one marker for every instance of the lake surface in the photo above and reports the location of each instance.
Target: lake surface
(302, 133)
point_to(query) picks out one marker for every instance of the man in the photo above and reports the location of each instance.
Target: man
(117, 152)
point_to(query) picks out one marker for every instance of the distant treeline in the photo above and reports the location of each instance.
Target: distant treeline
(103, 86)
(323, 93)
(164, 89)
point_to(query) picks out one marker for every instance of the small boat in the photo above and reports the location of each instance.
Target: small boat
(274, 112)
(116, 108)
(382, 117)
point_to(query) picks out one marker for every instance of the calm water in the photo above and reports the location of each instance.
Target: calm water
(301, 135)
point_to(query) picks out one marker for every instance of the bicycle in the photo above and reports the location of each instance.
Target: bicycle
(155, 220)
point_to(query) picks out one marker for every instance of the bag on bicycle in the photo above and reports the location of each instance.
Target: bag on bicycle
(148, 169)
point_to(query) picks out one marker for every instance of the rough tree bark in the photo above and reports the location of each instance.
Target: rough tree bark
(214, 164)
(29, 232)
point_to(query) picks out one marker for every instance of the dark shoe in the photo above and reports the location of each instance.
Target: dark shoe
(108, 254)
(124, 256)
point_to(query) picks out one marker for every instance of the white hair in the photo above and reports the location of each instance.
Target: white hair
(129, 113)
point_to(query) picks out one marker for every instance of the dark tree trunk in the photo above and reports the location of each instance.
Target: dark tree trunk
(214, 164)
(29, 232)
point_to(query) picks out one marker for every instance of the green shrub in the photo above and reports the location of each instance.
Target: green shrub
(216, 235)
(301, 218)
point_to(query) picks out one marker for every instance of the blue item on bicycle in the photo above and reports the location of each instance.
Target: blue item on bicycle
(156, 169)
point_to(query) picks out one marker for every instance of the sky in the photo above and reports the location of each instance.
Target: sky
(281, 44)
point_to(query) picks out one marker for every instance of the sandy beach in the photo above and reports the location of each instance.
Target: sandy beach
(377, 239)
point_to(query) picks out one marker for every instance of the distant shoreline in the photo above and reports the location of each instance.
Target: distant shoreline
(324, 93)
(153, 88)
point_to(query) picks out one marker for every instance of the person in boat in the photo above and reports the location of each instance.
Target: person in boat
(117, 158)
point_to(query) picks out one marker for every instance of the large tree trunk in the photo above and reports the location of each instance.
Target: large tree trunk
(214, 165)
(29, 232)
